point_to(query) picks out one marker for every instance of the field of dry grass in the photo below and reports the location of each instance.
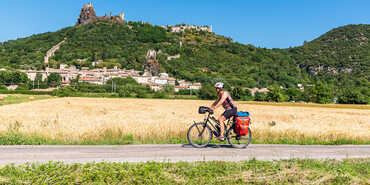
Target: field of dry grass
(81, 119)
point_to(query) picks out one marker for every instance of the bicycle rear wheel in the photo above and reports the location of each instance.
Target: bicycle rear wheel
(238, 141)
(199, 135)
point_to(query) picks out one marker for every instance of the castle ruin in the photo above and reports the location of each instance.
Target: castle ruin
(88, 16)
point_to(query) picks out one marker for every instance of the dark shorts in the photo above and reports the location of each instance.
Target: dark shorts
(229, 113)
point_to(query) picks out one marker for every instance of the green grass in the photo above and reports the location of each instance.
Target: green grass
(15, 98)
(13, 137)
(349, 171)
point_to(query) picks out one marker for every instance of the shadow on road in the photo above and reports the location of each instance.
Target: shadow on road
(209, 146)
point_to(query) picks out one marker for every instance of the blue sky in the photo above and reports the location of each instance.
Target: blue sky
(262, 23)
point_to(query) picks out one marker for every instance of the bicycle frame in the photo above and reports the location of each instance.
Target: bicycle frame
(212, 126)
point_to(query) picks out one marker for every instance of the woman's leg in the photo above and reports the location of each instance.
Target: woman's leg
(221, 120)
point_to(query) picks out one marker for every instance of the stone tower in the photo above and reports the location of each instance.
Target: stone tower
(122, 16)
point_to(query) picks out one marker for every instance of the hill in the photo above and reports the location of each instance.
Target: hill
(342, 50)
(339, 56)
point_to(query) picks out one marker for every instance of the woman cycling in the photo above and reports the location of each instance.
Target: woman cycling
(224, 99)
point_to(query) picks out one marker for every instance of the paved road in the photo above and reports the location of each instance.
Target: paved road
(174, 153)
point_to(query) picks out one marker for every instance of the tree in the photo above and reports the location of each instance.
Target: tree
(13, 77)
(247, 95)
(169, 88)
(258, 96)
(207, 92)
(160, 94)
(124, 92)
(351, 96)
(54, 80)
(275, 94)
(3, 87)
(141, 94)
(319, 93)
(294, 94)
(65, 91)
(237, 93)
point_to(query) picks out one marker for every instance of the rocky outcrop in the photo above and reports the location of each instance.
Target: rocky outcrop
(88, 16)
(152, 63)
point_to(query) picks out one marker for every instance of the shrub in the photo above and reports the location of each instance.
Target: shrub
(65, 91)
(25, 92)
(160, 94)
(124, 92)
(3, 87)
(260, 96)
(141, 94)
(22, 88)
(275, 94)
(351, 96)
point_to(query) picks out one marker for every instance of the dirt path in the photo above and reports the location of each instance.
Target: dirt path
(174, 153)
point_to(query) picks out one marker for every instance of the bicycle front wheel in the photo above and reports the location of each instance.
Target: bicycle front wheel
(199, 135)
(239, 141)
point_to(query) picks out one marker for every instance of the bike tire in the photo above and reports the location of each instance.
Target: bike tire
(199, 135)
(238, 141)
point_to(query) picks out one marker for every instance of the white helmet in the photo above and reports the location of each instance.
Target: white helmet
(219, 85)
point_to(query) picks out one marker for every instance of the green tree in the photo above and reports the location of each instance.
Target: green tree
(293, 94)
(124, 92)
(39, 83)
(54, 80)
(65, 91)
(237, 93)
(351, 96)
(247, 95)
(258, 96)
(3, 87)
(275, 94)
(169, 88)
(207, 92)
(160, 94)
(141, 93)
(319, 93)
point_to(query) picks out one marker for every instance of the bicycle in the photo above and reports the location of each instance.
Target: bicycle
(200, 134)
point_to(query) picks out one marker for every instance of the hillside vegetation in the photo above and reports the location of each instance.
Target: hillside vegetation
(339, 58)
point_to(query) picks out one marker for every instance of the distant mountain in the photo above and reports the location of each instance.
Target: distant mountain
(341, 56)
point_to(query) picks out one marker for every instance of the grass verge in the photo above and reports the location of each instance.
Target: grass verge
(349, 171)
(14, 99)
(15, 138)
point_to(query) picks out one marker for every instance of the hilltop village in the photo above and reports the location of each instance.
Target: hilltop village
(101, 75)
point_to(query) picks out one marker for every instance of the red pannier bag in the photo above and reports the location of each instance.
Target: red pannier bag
(242, 124)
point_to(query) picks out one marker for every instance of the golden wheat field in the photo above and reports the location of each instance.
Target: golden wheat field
(75, 119)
